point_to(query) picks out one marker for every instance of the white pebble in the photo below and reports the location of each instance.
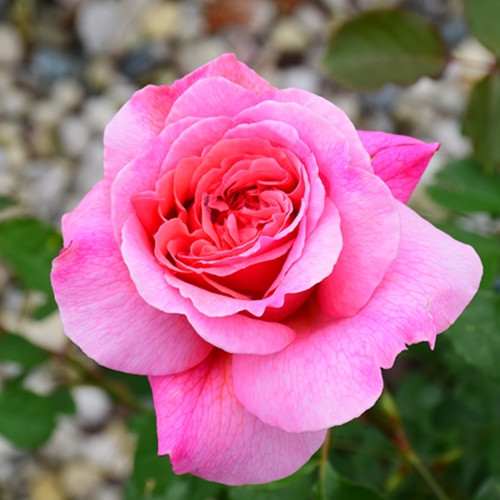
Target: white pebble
(290, 36)
(98, 112)
(74, 135)
(301, 77)
(162, 21)
(93, 405)
(11, 46)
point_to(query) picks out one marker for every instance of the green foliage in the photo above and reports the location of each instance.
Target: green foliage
(6, 202)
(296, 487)
(152, 476)
(335, 487)
(62, 401)
(26, 418)
(384, 46)
(482, 121)
(17, 349)
(475, 335)
(29, 245)
(490, 490)
(483, 17)
(462, 186)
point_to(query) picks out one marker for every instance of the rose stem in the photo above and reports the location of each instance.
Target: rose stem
(386, 417)
(323, 462)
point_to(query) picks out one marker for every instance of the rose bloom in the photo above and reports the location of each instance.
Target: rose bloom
(251, 252)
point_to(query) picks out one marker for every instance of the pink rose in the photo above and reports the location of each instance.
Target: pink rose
(251, 252)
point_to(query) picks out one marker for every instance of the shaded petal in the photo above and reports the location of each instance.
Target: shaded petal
(101, 309)
(330, 374)
(207, 432)
(316, 261)
(370, 230)
(398, 160)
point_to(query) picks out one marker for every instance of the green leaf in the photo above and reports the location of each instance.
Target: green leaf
(482, 121)
(483, 17)
(336, 487)
(18, 349)
(62, 401)
(384, 46)
(295, 487)
(153, 478)
(26, 418)
(474, 335)
(462, 186)
(490, 490)
(152, 475)
(6, 202)
(29, 245)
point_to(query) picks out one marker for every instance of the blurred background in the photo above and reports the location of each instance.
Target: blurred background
(72, 430)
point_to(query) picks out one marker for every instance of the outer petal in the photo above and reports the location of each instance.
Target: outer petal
(370, 229)
(142, 118)
(207, 432)
(330, 373)
(101, 309)
(398, 160)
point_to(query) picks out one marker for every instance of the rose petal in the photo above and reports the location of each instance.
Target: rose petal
(370, 231)
(235, 333)
(211, 97)
(207, 432)
(143, 173)
(322, 138)
(330, 373)
(323, 245)
(333, 115)
(398, 160)
(326, 377)
(101, 309)
(130, 133)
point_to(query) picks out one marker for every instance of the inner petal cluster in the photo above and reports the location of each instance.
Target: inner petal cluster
(226, 220)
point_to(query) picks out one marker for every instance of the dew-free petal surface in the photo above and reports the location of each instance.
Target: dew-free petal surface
(130, 132)
(207, 432)
(331, 372)
(333, 115)
(235, 333)
(398, 160)
(100, 308)
(370, 232)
